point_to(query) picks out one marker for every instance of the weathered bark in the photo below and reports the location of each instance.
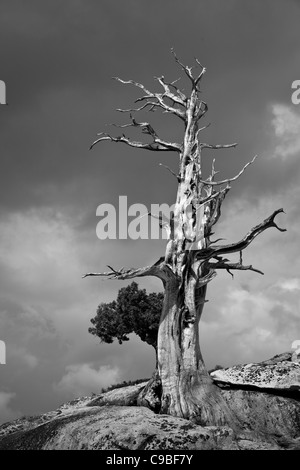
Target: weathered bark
(191, 258)
(150, 396)
(187, 389)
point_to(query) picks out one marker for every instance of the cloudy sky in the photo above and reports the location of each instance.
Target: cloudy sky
(57, 59)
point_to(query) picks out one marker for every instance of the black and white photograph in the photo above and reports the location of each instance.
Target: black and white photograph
(149, 227)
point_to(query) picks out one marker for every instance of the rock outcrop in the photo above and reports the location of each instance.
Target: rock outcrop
(279, 375)
(112, 421)
(123, 428)
(265, 413)
(125, 396)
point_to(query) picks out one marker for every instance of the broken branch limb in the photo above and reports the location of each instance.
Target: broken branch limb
(146, 128)
(152, 105)
(213, 170)
(158, 96)
(211, 197)
(171, 171)
(188, 70)
(156, 145)
(210, 252)
(215, 183)
(159, 269)
(233, 266)
(217, 146)
(202, 129)
(200, 112)
(203, 280)
(177, 90)
(179, 98)
(216, 212)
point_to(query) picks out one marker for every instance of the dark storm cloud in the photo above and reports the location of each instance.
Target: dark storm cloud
(58, 60)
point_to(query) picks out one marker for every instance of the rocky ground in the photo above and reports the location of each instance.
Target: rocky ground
(266, 395)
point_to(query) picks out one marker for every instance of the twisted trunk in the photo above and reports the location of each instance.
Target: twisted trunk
(187, 389)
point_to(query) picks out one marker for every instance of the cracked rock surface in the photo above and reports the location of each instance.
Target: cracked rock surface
(278, 374)
(269, 418)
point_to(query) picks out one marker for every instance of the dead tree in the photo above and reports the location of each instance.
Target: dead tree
(192, 258)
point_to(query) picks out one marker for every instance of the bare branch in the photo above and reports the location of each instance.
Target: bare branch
(156, 145)
(158, 96)
(209, 198)
(217, 146)
(202, 129)
(203, 280)
(201, 73)
(145, 126)
(132, 82)
(200, 112)
(188, 70)
(213, 171)
(148, 129)
(171, 171)
(212, 252)
(159, 269)
(180, 99)
(214, 217)
(152, 105)
(216, 241)
(233, 266)
(178, 90)
(214, 183)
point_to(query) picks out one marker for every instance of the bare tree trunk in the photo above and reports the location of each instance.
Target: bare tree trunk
(187, 389)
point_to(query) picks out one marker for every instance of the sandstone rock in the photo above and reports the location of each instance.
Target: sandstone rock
(286, 356)
(126, 428)
(30, 422)
(281, 376)
(119, 396)
(264, 413)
